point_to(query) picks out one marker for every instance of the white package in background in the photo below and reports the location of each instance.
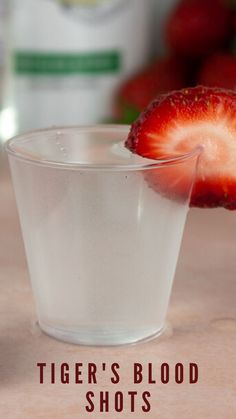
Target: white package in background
(161, 10)
(70, 56)
(4, 45)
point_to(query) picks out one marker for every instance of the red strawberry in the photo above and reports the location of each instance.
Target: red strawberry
(233, 37)
(197, 27)
(219, 71)
(162, 76)
(174, 124)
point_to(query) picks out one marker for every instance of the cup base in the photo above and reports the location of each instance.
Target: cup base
(103, 337)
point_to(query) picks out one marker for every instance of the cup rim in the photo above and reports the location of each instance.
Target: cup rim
(154, 164)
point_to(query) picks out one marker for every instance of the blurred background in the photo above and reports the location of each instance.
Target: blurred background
(90, 61)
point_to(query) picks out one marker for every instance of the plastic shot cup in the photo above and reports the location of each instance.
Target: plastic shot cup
(102, 229)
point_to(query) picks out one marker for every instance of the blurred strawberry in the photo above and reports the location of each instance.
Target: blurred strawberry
(197, 27)
(219, 70)
(135, 94)
(234, 33)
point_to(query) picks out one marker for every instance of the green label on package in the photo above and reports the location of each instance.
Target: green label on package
(60, 64)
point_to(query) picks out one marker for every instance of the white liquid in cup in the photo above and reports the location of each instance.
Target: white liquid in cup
(101, 244)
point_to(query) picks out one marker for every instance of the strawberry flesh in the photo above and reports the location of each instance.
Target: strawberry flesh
(176, 123)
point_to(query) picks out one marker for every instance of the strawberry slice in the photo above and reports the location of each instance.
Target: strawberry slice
(175, 124)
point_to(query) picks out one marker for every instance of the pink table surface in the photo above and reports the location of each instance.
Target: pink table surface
(202, 329)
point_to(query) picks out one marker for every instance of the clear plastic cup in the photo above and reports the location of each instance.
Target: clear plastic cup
(102, 229)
